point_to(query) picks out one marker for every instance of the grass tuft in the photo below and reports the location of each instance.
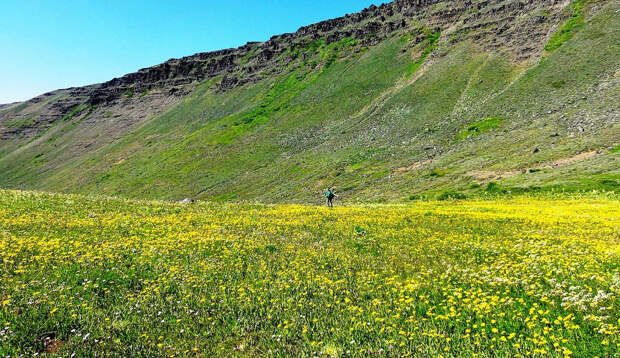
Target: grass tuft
(480, 127)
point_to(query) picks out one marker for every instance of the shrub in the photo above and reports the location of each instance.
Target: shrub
(360, 230)
(451, 195)
(437, 172)
(610, 184)
(494, 188)
(558, 84)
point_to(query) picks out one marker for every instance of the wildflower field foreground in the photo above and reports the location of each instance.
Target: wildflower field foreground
(100, 276)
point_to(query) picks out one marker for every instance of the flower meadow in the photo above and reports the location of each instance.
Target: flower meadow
(86, 276)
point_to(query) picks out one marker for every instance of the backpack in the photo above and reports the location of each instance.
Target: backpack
(329, 194)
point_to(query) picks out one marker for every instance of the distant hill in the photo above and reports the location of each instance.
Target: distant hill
(411, 99)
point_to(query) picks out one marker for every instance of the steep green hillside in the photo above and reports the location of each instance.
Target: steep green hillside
(423, 113)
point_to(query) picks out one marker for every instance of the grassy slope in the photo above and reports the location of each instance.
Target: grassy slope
(357, 121)
(586, 69)
(133, 278)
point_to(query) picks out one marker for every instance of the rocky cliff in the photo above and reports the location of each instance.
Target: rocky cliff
(516, 26)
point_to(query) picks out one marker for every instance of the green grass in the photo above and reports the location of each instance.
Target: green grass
(494, 188)
(429, 45)
(451, 195)
(249, 56)
(594, 183)
(437, 172)
(25, 122)
(573, 24)
(480, 127)
(17, 108)
(274, 100)
(76, 111)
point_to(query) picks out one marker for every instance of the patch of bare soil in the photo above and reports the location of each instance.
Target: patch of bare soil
(413, 167)
(496, 175)
(485, 175)
(576, 158)
(51, 344)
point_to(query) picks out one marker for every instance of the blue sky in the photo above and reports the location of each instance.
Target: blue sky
(51, 44)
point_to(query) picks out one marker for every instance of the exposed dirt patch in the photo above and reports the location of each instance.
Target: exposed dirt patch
(413, 167)
(576, 158)
(486, 175)
(51, 344)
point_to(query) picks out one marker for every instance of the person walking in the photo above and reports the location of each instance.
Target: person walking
(330, 195)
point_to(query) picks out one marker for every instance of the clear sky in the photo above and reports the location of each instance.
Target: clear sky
(51, 44)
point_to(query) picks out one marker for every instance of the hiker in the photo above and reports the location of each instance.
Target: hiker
(330, 195)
